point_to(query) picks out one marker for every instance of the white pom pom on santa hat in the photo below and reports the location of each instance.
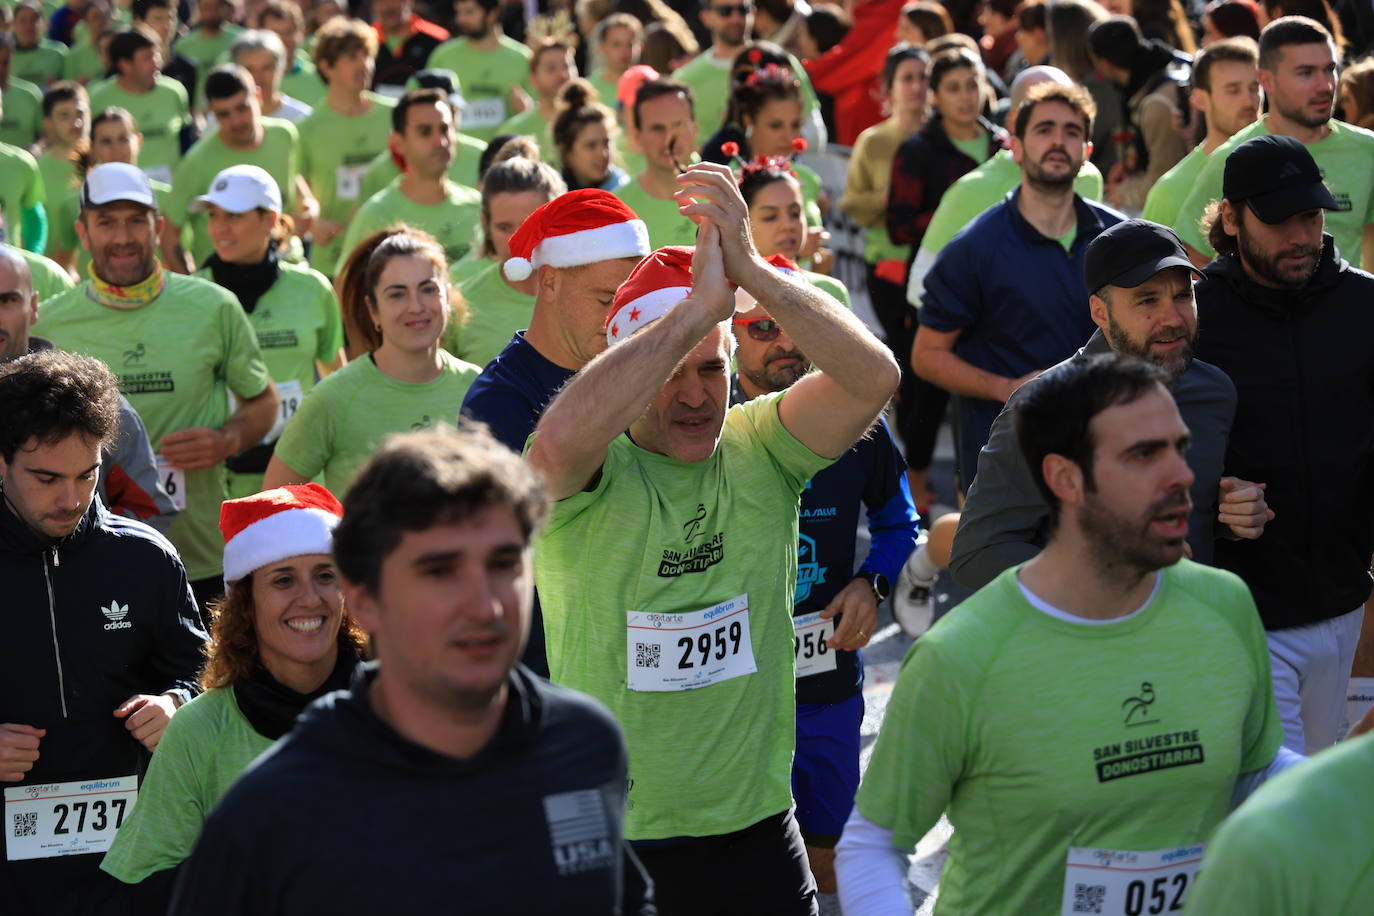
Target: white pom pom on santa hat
(573, 229)
(517, 269)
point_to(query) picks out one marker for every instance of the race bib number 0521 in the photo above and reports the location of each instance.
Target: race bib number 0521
(1120, 882)
(667, 652)
(66, 818)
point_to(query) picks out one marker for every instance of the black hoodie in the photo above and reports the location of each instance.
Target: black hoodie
(344, 815)
(1303, 364)
(88, 621)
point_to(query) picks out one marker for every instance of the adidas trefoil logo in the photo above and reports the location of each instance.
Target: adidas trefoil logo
(116, 613)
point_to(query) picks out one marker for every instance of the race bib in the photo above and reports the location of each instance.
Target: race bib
(66, 818)
(1119, 882)
(173, 481)
(290, 394)
(684, 651)
(348, 181)
(484, 112)
(811, 635)
(162, 173)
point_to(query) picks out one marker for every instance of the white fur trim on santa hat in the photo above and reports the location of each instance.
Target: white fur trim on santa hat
(629, 239)
(636, 313)
(290, 533)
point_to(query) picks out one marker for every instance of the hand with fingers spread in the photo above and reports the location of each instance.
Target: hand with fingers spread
(18, 750)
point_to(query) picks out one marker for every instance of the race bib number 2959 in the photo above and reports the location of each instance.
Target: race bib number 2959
(683, 651)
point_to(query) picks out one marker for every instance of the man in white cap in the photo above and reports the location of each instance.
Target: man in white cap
(668, 565)
(579, 247)
(177, 345)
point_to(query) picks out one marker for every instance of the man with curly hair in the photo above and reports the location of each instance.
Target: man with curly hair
(102, 635)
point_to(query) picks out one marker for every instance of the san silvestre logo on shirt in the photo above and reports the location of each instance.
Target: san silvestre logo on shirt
(1150, 753)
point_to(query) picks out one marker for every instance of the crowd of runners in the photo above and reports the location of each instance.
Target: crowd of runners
(445, 469)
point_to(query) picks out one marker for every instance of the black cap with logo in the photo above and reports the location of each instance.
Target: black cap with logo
(1276, 177)
(1130, 253)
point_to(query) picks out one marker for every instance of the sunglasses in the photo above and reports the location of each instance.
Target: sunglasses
(761, 329)
(740, 9)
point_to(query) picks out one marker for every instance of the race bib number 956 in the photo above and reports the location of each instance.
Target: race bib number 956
(1120, 882)
(667, 652)
(66, 818)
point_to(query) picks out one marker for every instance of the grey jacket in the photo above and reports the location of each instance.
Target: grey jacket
(1005, 519)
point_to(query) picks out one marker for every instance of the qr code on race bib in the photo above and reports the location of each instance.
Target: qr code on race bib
(1088, 898)
(26, 823)
(646, 655)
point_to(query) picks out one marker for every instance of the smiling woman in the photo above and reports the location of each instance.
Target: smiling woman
(281, 638)
(395, 298)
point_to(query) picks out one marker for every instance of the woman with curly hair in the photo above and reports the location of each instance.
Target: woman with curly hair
(280, 639)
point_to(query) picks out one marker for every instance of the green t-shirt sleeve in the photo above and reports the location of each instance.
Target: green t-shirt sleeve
(763, 424)
(1206, 188)
(163, 826)
(184, 190)
(33, 188)
(921, 748)
(1245, 872)
(245, 372)
(307, 443)
(566, 510)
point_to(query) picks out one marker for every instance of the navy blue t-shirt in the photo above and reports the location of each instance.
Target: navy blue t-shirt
(1017, 298)
(509, 397)
(513, 390)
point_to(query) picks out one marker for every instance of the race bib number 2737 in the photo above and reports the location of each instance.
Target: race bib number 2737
(66, 818)
(666, 652)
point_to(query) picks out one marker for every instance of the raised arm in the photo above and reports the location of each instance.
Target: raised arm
(610, 393)
(827, 410)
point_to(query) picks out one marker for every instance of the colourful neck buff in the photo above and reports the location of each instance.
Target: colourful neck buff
(127, 297)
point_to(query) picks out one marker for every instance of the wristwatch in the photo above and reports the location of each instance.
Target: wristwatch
(878, 582)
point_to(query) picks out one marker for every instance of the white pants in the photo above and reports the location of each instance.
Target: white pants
(1311, 668)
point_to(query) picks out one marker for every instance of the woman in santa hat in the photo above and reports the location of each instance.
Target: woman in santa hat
(280, 639)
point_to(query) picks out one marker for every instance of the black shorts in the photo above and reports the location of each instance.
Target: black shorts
(761, 869)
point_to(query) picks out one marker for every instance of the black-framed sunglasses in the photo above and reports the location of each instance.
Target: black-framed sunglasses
(760, 329)
(733, 9)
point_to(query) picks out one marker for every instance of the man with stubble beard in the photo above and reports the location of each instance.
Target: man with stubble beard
(1142, 303)
(1288, 320)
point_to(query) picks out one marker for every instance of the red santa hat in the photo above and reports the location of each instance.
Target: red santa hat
(276, 524)
(580, 227)
(657, 283)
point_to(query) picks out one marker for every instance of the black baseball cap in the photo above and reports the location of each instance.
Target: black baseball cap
(1276, 177)
(1132, 252)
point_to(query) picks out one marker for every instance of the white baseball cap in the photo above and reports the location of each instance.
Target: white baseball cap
(241, 188)
(116, 181)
